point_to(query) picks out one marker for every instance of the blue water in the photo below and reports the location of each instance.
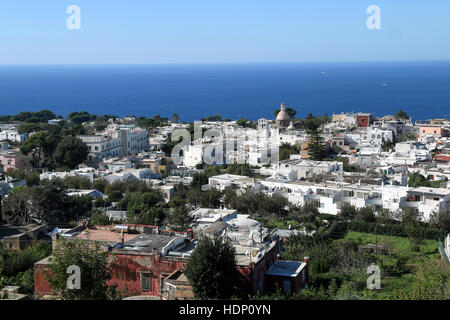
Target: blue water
(253, 91)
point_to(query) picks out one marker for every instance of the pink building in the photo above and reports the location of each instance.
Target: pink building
(13, 159)
(431, 131)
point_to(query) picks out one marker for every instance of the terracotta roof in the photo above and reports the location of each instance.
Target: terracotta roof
(105, 235)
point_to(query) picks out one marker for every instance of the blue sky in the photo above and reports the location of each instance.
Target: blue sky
(218, 31)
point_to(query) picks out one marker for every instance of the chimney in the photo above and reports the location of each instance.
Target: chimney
(306, 260)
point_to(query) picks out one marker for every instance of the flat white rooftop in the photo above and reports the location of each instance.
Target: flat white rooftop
(286, 268)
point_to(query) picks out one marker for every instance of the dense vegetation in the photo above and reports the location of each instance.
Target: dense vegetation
(211, 255)
(16, 268)
(93, 266)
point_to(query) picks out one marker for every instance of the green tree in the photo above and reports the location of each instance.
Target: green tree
(37, 144)
(28, 128)
(417, 180)
(199, 179)
(179, 218)
(230, 197)
(411, 219)
(70, 152)
(115, 196)
(99, 219)
(217, 117)
(141, 208)
(316, 148)
(286, 149)
(100, 185)
(79, 117)
(400, 114)
(212, 170)
(240, 169)
(347, 211)
(76, 182)
(22, 205)
(77, 207)
(33, 179)
(242, 122)
(210, 198)
(441, 220)
(93, 264)
(312, 123)
(366, 214)
(175, 118)
(211, 270)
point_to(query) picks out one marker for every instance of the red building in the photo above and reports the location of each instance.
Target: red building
(139, 266)
(41, 286)
(444, 155)
(363, 119)
(142, 264)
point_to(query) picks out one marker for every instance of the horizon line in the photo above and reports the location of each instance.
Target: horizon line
(222, 63)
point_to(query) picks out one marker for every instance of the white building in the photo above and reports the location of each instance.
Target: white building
(408, 153)
(87, 173)
(117, 140)
(237, 182)
(330, 195)
(13, 135)
(94, 193)
(136, 140)
(102, 146)
(295, 169)
(204, 217)
(123, 175)
(192, 155)
(427, 200)
(377, 136)
(116, 164)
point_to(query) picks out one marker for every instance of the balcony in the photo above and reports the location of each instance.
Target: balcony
(410, 204)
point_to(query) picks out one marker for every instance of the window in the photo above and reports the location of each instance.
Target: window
(146, 282)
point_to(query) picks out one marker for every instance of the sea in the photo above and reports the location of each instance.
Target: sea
(252, 91)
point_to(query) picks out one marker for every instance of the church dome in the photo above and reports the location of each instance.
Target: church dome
(282, 115)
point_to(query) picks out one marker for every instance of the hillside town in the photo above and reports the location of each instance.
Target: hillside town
(305, 205)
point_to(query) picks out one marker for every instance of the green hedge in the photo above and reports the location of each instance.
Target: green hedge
(394, 229)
